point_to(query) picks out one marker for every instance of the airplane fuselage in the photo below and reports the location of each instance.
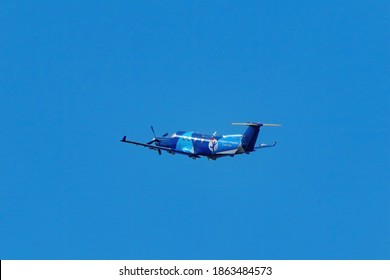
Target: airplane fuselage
(203, 144)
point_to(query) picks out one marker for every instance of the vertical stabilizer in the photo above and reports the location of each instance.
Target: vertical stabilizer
(249, 138)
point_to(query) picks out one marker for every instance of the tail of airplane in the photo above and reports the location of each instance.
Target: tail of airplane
(250, 135)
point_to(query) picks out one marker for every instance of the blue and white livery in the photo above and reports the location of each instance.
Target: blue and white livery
(196, 145)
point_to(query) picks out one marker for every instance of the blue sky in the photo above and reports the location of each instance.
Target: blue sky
(77, 76)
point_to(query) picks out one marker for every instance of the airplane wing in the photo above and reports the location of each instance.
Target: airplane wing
(159, 148)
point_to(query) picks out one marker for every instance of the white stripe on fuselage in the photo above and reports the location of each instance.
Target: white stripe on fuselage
(232, 135)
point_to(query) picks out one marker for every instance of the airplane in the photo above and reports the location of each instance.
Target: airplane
(196, 145)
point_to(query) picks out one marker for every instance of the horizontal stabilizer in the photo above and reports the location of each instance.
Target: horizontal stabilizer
(271, 124)
(255, 124)
(247, 123)
(261, 146)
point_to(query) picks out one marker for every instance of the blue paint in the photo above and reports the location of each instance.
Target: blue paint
(185, 143)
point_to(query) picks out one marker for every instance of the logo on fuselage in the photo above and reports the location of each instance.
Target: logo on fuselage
(213, 144)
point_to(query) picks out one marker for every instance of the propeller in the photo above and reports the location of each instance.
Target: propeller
(155, 139)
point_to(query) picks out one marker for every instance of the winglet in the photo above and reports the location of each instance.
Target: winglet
(123, 139)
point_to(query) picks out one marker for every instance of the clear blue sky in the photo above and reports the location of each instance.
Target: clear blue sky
(77, 76)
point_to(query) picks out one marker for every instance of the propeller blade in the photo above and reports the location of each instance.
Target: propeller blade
(159, 152)
(153, 131)
(165, 134)
(150, 142)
